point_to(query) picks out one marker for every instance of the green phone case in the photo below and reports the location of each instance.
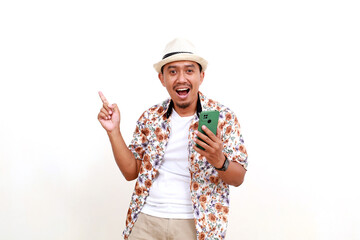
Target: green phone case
(210, 119)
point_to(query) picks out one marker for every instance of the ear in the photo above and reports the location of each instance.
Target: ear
(161, 77)
(202, 75)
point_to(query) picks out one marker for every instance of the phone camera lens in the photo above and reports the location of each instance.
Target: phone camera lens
(209, 121)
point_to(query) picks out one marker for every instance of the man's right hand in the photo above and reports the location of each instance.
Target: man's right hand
(109, 115)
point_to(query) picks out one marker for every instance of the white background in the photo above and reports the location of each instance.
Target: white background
(289, 69)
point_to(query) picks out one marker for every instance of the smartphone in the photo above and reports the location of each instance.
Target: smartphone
(210, 119)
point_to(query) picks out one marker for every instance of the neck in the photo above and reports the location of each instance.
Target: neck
(187, 111)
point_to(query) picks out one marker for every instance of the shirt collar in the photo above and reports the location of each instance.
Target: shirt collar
(171, 106)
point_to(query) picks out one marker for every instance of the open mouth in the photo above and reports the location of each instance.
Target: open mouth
(182, 92)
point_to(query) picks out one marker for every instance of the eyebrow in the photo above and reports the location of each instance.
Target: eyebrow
(172, 66)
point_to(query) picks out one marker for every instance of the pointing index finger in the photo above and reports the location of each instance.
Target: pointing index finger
(103, 98)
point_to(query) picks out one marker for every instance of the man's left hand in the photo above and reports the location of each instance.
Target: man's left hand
(213, 147)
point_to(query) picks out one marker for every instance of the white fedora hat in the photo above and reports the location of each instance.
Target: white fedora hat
(180, 50)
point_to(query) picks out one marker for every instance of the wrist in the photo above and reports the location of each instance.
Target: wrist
(224, 165)
(220, 163)
(114, 132)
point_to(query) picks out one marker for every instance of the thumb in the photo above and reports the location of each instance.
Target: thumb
(218, 132)
(114, 107)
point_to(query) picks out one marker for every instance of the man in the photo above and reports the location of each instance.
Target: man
(182, 191)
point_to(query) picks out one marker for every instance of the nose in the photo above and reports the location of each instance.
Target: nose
(182, 76)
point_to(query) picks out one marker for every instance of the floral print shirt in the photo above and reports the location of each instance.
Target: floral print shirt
(209, 194)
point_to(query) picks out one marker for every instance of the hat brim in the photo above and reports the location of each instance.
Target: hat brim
(181, 57)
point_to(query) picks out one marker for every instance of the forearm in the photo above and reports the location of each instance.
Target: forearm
(123, 156)
(234, 175)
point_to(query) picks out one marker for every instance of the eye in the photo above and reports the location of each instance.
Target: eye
(172, 71)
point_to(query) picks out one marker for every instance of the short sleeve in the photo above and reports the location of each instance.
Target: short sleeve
(139, 140)
(234, 147)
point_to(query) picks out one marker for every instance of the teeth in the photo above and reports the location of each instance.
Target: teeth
(182, 89)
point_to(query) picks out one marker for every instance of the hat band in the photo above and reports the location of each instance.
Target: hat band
(173, 53)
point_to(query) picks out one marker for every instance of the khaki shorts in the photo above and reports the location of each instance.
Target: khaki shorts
(154, 228)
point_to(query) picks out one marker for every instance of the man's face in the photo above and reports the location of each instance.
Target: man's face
(182, 80)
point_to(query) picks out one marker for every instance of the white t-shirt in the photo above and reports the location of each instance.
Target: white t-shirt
(169, 196)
